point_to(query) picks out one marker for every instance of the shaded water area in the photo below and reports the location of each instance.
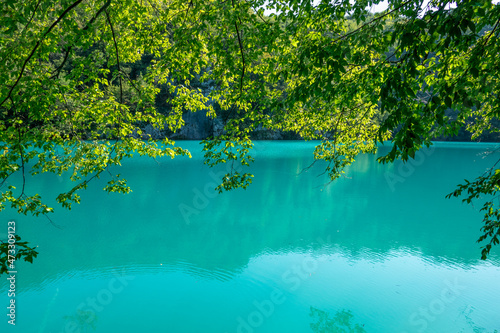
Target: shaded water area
(380, 250)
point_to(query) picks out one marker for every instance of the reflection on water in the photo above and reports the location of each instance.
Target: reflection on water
(83, 321)
(468, 313)
(380, 248)
(340, 322)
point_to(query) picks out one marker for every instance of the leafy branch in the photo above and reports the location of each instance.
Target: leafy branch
(487, 185)
(25, 63)
(22, 251)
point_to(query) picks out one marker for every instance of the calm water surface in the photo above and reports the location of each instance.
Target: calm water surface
(380, 250)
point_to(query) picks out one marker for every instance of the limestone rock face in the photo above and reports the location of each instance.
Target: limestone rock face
(197, 126)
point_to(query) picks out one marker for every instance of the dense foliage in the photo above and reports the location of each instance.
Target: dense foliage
(81, 82)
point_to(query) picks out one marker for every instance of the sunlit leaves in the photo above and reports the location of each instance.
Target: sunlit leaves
(22, 251)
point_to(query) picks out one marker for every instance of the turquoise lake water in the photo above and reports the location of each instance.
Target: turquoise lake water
(380, 250)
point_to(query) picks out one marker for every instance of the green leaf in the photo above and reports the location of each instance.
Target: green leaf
(448, 102)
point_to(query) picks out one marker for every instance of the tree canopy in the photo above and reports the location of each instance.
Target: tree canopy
(81, 82)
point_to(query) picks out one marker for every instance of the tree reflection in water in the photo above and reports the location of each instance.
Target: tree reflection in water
(340, 322)
(83, 321)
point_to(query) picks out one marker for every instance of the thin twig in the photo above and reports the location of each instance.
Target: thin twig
(492, 31)
(260, 16)
(31, 18)
(22, 161)
(242, 57)
(117, 56)
(187, 11)
(307, 167)
(52, 222)
(372, 21)
(24, 29)
(57, 71)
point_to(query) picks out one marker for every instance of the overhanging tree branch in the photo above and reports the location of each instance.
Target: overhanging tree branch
(242, 56)
(87, 26)
(492, 31)
(23, 68)
(117, 55)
